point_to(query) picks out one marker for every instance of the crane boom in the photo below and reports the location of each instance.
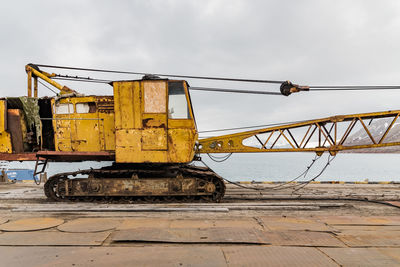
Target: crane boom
(34, 72)
(328, 134)
(148, 129)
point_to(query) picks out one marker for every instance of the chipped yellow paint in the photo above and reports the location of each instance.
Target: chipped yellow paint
(5, 138)
(329, 142)
(90, 131)
(144, 133)
(155, 96)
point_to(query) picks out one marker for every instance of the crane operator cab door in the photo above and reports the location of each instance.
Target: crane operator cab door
(154, 117)
(153, 122)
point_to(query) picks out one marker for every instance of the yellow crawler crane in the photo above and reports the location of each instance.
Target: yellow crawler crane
(147, 128)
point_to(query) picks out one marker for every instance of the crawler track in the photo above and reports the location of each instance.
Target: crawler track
(137, 183)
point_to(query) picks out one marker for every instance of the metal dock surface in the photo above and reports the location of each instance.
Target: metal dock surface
(319, 225)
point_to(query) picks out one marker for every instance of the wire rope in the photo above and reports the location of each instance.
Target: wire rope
(161, 74)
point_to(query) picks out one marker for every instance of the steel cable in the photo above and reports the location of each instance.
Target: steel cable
(249, 127)
(282, 186)
(47, 87)
(226, 90)
(219, 159)
(160, 74)
(318, 175)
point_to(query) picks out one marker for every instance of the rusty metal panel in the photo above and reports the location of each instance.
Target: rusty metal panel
(89, 225)
(155, 96)
(154, 139)
(52, 238)
(208, 223)
(30, 224)
(5, 144)
(63, 128)
(196, 256)
(303, 238)
(17, 156)
(14, 120)
(275, 256)
(141, 121)
(370, 238)
(3, 115)
(128, 145)
(191, 235)
(181, 143)
(83, 124)
(361, 220)
(155, 120)
(124, 104)
(129, 186)
(133, 223)
(360, 257)
(88, 132)
(367, 227)
(391, 252)
(73, 156)
(5, 138)
(294, 223)
(3, 220)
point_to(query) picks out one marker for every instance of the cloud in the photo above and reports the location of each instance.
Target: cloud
(308, 42)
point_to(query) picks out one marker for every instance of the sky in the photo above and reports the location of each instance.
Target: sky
(309, 42)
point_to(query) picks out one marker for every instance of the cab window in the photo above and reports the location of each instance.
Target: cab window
(64, 108)
(177, 102)
(89, 107)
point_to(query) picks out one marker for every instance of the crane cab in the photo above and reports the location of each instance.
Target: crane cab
(154, 122)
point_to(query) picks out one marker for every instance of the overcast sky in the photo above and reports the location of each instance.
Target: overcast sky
(307, 42)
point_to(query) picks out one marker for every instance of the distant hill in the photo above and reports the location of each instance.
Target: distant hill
(377, 128)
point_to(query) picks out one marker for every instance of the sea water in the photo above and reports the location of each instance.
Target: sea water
(278, 167)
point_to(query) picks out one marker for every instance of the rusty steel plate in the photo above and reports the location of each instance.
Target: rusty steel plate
(394, 203)
(360, 257)
(370, 238)
(3, 220)
(367, 227)
(391, 252)
(30, 224)
(233, 223)
(75, 155)
(275, 256)
(133, 223)
(52, 238)
(89, 225)
(361, 220)
(303, 238)
(294, 223)
(191, 235)
(113, 256)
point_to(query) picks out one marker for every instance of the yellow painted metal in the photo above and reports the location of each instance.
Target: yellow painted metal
(29, 82)
(137, 125)
(89, 130)
(46, 77)
(144, 133)
(3, 115)
(35, 87)
(233, 143)
(5, 142)
(5, 138)
(154, 115)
